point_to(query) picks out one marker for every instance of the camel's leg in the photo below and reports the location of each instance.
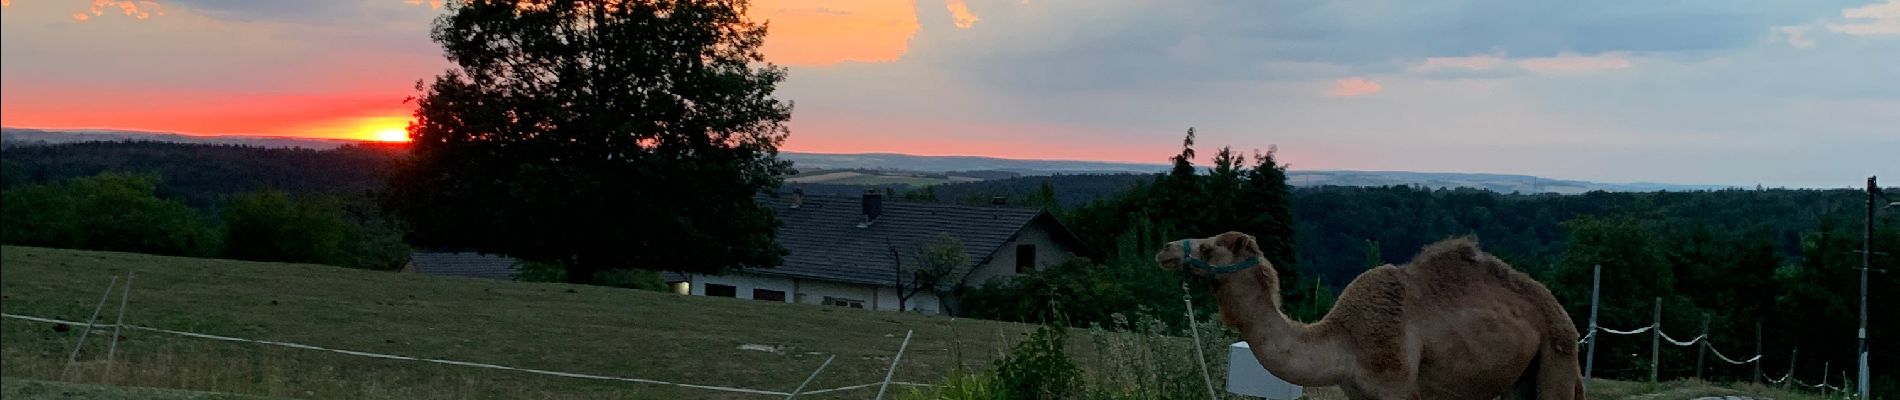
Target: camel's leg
(1558, 377)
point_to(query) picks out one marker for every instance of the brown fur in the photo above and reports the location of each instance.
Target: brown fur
(1455, 322)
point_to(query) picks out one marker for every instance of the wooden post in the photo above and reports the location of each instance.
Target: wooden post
(1758, 355)
(1701, 351)
(1655, 343)
(1590, 357)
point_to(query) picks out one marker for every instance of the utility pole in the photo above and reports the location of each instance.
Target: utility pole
(1866, 253)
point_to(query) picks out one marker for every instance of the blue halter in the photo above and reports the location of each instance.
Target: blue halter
(1187, 254)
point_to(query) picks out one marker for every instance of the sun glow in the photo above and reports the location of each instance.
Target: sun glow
(380, 129)
(393, 134)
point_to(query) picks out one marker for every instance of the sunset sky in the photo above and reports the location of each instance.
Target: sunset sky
(1743, 92)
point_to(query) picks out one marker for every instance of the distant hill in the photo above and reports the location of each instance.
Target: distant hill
(23, 136)
(903, 170)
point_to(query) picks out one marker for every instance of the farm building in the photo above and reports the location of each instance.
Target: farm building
(839, 250)
(462, 264)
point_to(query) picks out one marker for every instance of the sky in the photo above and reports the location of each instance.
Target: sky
(1739, 92)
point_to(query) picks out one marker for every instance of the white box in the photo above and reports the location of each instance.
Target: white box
(1246, 377)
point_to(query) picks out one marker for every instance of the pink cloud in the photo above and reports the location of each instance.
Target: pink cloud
(1576, 63)
(1350, 87)
(961, 15)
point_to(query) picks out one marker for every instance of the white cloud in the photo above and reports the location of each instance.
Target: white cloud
(1795, 36)
(1870, 20)
(1566, 63)
(1481, 62)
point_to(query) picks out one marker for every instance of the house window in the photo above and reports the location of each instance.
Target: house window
(842, 302)
(768, 295)
(1025, 258)
(718, 290)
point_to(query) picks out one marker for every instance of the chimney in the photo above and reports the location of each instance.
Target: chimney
(873, 206)
(798, 198)
(999, 201)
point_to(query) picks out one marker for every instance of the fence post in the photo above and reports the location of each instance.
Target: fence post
(1758, 355)
(1655, 342)
(1792, 356)
(124, 297)
(1590, 358)
(1704, 349)
(81, 343)
(894, 359)
(1823, 379)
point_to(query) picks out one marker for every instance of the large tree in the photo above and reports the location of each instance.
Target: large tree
(598, 135)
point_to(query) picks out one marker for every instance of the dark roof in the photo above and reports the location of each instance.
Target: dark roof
(472, 265)
(823, 241)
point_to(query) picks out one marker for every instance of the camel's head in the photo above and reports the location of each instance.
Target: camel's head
(1212, 256)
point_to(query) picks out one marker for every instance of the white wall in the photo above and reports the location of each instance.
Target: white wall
(806, 291)
(1003, 263)
(743, 284)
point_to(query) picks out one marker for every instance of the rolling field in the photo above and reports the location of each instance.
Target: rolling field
(556, 327)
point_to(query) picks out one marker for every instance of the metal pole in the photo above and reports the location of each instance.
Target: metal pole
(1866, 252)
(81, 343)
(814, 375)
(1700, 351)
(893, 371)
(1758, 356)
(1590, 359)
(1655, 342)
(124, 297)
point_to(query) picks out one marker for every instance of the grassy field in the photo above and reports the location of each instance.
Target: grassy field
(31, 389)
(568, 328)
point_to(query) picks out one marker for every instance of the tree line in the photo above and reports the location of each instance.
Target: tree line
(1784, 258)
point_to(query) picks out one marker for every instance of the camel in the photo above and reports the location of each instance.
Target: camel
(1454, 323)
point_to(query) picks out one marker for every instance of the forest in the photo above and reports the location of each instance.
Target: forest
(1785, 260)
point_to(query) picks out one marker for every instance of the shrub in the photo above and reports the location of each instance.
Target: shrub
(1038, 368)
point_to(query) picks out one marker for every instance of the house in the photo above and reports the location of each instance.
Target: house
(462, 264)
(839, 250)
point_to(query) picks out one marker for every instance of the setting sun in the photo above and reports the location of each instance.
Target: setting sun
(392, 134)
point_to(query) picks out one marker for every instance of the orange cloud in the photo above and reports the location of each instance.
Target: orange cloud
(433, 4)
(1350, 87)
(140, 9)
(824, 32)
(961, 15)
(1575, 63)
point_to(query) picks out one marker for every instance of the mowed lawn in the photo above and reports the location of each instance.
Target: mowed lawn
(568, 328)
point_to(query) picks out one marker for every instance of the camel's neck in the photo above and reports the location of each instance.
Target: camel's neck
(1296, 352)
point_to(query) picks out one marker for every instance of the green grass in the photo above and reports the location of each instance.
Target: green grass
(31, 389)
(581, 329)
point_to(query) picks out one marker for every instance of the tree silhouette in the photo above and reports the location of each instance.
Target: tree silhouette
(597, 135)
